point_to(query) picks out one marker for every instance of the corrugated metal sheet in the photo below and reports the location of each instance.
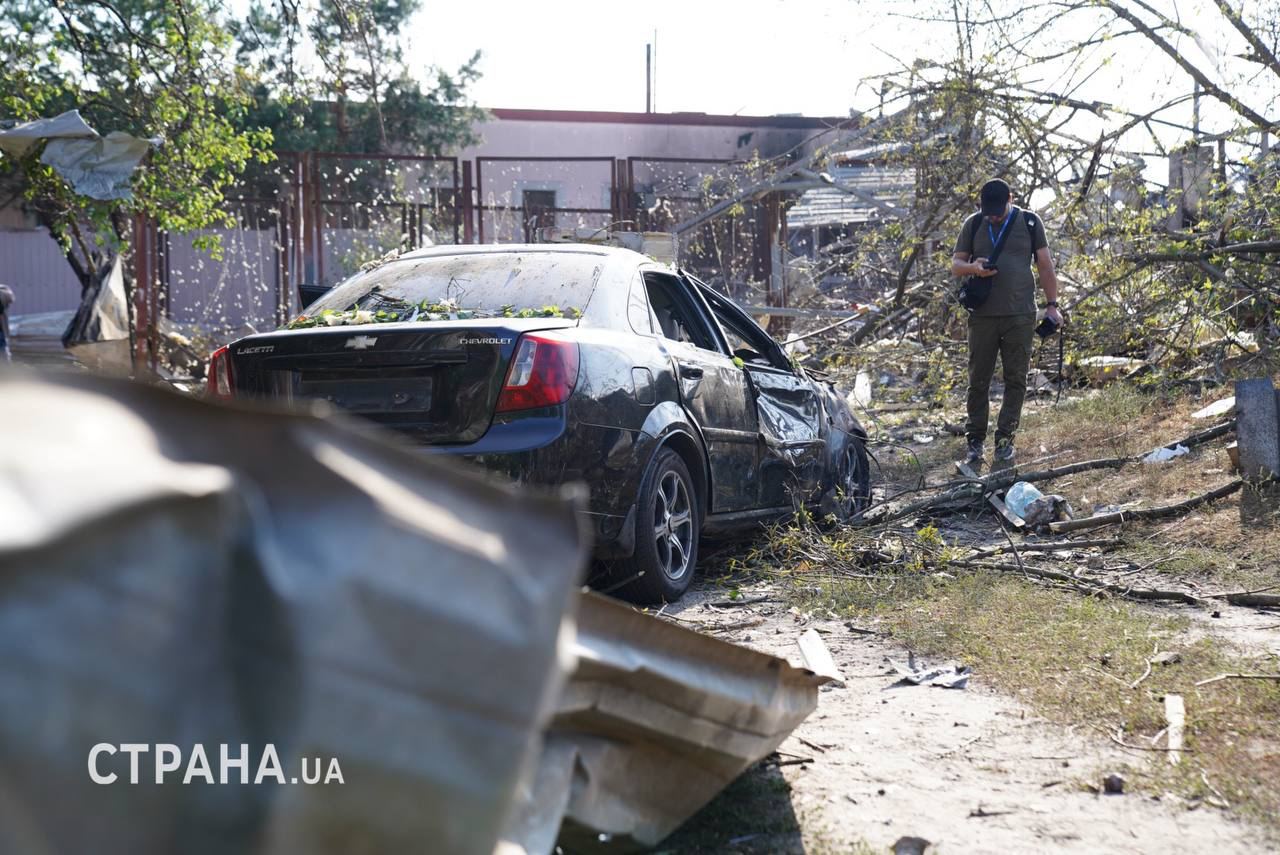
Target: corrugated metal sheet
(828, 206)
(32, 264)
(238, 289)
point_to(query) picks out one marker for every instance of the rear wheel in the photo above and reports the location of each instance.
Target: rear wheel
(852, 490)
(667, 531)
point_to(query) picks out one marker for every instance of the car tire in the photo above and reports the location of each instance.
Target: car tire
(668, 525)
(851, 492)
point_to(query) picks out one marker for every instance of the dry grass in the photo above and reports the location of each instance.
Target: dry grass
(1075, 658)
(1213, 544)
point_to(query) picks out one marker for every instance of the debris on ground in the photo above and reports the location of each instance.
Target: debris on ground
(1175, 714)
(1163, 455)
(480, 660)
(1019, 496)
(911, 846)
(1113, 784)
(817, 658)
(1102, 369)
(1048, 509)
(943, 676)
(1217, 408)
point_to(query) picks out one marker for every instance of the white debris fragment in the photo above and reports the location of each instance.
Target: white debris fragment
(1217, 408)
(1161, 455)
(817, 658)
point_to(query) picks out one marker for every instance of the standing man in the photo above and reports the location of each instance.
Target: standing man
(1005, 323)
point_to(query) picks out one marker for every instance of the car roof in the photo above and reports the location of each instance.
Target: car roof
(514, 248)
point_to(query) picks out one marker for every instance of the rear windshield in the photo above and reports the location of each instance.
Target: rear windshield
(480, 285)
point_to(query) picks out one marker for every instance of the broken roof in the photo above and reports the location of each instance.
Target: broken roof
(829, 206)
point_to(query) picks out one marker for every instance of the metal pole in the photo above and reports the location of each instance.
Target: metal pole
(648, 78)
(468, 214)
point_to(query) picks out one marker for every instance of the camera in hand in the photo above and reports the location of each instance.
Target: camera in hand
(1046, 328)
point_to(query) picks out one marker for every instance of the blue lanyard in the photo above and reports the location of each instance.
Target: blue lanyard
(995, 239)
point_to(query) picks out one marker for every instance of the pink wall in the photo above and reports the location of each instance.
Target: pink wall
(33, 265)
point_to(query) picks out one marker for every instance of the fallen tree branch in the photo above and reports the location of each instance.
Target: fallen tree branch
(1238, 677)
(1147, 513)
(1084, 584)
(1205, 435)
(1255, 600)
(972, 490)
(1047, 546)
(1263, 247)
(1008, 479)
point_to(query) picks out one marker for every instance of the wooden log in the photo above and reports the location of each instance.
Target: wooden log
(1147, 513)
(1048, 546)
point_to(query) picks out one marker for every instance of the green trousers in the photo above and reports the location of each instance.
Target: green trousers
(1009, 337)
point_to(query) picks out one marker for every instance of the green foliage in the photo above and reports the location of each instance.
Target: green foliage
(221, 95)
(151, 68)
(427, 310)
(361, 94)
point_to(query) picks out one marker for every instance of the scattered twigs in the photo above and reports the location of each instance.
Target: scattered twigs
(973, 489)
(1115, 737)
(1226, 805)
(1205, 435)
(1238, 677)
(1047, 546)
(1147, 513)
(1147, 673)
(1084, 585)
(1105, 674)
(1013, 547)
(1006, 479)
(1255, 598)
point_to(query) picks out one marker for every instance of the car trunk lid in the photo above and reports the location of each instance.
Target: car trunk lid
(437, 381)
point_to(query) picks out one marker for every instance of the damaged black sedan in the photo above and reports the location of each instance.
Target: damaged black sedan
(555, 363)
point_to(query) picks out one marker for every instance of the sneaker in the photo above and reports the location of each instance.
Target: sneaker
(974, 452)
(1004, 449)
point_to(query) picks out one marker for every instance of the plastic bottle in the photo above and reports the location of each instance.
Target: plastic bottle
(1019, 496)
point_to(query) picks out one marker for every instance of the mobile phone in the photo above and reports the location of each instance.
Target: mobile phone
(987, 265)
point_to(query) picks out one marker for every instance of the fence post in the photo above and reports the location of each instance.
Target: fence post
(468, 205)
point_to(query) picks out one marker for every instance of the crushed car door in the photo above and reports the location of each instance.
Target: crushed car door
(789, 411)
(714, 390)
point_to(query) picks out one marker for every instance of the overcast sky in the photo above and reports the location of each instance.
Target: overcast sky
(757, 57)
(809, 57)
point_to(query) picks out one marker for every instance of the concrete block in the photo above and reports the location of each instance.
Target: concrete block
(1258, 428)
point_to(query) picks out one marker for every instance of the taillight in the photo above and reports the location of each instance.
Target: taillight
(542, 373)
(221, 380)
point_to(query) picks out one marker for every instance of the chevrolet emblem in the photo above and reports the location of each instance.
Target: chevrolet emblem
(361, 342)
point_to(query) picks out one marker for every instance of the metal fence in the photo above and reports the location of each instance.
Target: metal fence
(317, 217)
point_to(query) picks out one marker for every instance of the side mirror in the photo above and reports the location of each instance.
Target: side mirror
(308, 293)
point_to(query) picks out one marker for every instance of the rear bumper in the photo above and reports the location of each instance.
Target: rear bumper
(545, 449)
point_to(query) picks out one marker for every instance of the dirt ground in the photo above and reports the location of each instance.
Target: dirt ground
(969, 770)
(976, 770)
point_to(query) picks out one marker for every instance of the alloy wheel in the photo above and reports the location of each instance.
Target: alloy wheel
(673, 525)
